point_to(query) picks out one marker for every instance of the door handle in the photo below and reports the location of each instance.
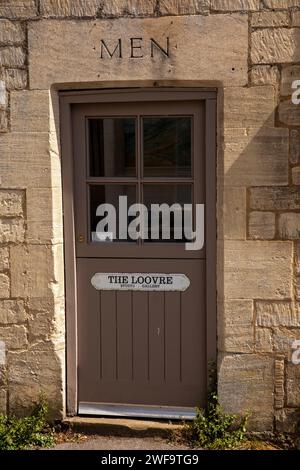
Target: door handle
(81, 238)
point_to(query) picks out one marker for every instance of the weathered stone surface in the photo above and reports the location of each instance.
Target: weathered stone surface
(29, 151)
(30, 111)
(12, 230)
(269, 199)
(294, 146)
(31, 271)
(265, 75)
(34, 371)
(20, 9)
(297, 258)
(289, 113)
(234, 5)
(283, 340)
(289, 226)
(117, 8)
(74, 50)
(245, 382)
(236, 326)
(11, 202)
(77, 8)
(279, 383)
(274, 314)
(12, 311)
(296, 175)
(3, 397)
(4, 286)
(295, 18)
(4, 259)
(262, 225)
(287, 420)
(11, 32)
(278, 4)
(15, 79)
(14, 336)
(11, 56)
(234, 214)
(265, 19)
(3, 121)
(257, 270)
(289, 74)
(263, 340)
(256, 157)
(183, 7)
(278, 45)
(249, 107)
(44, 215)
(293, 385)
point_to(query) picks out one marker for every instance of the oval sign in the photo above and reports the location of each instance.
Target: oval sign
(140, 281)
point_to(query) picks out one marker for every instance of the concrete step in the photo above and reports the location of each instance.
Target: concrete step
(122, 427)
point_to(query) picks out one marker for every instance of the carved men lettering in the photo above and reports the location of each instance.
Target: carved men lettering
(134, 48)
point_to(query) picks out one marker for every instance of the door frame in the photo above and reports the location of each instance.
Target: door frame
(69, 98)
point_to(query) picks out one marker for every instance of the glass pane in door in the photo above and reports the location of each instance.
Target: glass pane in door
(167, 146)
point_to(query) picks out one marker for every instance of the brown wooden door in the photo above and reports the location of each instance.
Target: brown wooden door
(139, 352)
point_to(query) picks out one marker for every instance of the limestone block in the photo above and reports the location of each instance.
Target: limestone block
(4, 286)
(246, 382)
(32, 271)
(15, 79)
(289, 226)
(256, 157)
(296, 18)
(274, 314)
(77, 8)
(289, 113)
(293, 385)
(283, 340)
(11, 56)
(279, 382)
(270, 199)
(3, 121)
(30, 111)
(73, 50)
(287, 420)
(265, 75)
(297, 258)
(263, 340)
(14, 336)
(36, 370)
(273, 46)
(184, 7)
(257, 270)
(262, 225)
(289, 74)
(11, 32)
(113, 8)
(234, 5)
(12, 311)
(29, 151)
(294, 146)
(280, 4)
(11, 202)
(249, 107)
(234, 214)
(12, 230)
(236, 326)
(4, 259)
(44, 215)
(3, 398)
(18, 9)
(296, 175)
(265, 19)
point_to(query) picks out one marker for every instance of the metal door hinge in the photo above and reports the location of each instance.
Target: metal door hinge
(81, 238)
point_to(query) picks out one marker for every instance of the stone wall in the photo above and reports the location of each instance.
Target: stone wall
(258, 184)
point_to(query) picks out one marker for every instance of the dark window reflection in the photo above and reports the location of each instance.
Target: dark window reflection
(112, 146)
(167, 146)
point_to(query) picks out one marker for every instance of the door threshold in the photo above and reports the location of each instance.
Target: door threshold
(136, 411)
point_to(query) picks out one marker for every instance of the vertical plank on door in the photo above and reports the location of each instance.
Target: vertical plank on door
(108, 335)
(124, 335)
(140, 314)
(173, 336)
(156, 336)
